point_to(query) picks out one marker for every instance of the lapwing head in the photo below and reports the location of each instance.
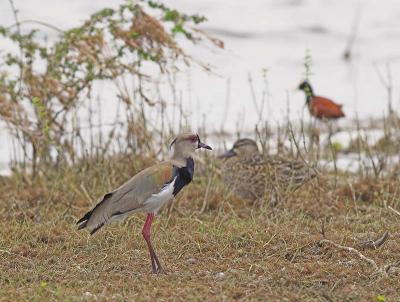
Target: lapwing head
(242, 147)
(186, 143)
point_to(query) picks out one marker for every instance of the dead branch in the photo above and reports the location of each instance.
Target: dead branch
(385, 269)
(374, 244)
(354, 251)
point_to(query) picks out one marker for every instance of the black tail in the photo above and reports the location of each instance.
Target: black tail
(84, 220)
(96, 229)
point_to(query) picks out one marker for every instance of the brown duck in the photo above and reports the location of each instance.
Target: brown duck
(254, 176)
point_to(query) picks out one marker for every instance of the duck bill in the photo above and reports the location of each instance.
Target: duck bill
(204, 146)
(228, 154)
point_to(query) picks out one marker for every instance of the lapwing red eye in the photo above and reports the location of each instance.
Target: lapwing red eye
(194, 138)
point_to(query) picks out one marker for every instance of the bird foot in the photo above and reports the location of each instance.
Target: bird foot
(159, 271)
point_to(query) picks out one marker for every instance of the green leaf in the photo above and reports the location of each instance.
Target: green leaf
(43, 284)
(3, 31)
(380, 298)
(198, 19)
(178, 28)
(172, 15)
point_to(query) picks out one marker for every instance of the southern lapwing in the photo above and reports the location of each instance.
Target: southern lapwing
(251, 175)
(147, 192)
(320, 107)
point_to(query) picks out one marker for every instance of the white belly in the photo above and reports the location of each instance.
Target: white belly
(156, 201)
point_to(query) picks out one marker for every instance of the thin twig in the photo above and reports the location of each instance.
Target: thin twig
(353, 35)
(323, 228)
(352, 250)
(317, 173)
(36, 22)
(394, 210)
(203, 207)
(87, 195)
(21, 50)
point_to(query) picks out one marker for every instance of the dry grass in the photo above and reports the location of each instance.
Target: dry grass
(213, 245)
(231, 251)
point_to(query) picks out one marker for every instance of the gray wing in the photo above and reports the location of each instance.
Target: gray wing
(128, 198)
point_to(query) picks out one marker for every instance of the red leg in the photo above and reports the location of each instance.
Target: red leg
(146, 231)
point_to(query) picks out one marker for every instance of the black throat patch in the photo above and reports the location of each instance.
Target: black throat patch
(183, 175)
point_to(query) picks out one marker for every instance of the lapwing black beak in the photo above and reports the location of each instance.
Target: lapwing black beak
(204, 146)
(227, 154)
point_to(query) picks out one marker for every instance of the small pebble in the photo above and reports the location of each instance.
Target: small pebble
(88, 294)
(220, 276)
